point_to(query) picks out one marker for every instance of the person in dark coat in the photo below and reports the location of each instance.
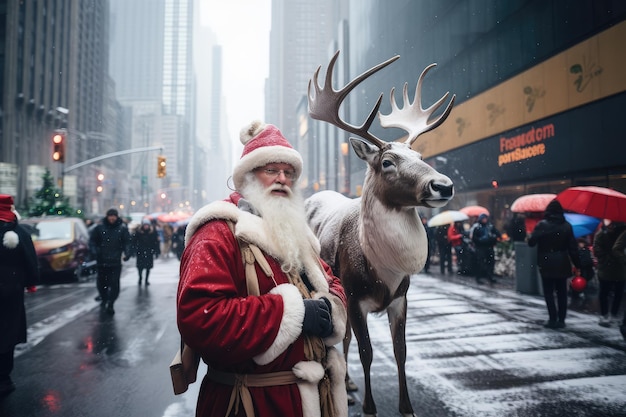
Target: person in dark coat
(485, 236)
(145, 246)
(445, 249)
(430, 237)
(18, 270)
(108, 242)
(517, 228)
(608, 248)
(178, 240)
(587, 270)
(557, 249)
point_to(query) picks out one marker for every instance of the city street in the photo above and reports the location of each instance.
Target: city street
(472, 351)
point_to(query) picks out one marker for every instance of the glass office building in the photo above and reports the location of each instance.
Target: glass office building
(539, 90)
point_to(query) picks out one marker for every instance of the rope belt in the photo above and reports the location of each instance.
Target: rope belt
(241, 382)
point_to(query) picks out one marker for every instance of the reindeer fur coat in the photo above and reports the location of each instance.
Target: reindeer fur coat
(243, 334)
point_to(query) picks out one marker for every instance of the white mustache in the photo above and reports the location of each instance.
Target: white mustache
(280, 187)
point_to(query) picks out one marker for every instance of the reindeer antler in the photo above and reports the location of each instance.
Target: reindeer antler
(412, 117)
(324, 106)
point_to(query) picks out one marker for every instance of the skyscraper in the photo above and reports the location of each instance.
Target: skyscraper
(53, 75)
(151, 53)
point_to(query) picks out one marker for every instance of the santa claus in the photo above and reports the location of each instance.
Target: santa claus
(271, 353)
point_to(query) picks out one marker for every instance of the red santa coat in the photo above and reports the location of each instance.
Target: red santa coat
(258, 334)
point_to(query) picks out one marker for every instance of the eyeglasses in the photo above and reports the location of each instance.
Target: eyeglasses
(290, 174)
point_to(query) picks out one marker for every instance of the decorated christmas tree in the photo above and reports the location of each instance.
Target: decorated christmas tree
(49, 200)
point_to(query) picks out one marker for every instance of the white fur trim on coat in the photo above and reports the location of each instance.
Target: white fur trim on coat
(249, 227)
(263, 156)
(311, 373)
(336, 366)
(290, 325)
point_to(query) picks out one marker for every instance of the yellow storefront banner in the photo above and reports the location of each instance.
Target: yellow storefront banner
(589, 71)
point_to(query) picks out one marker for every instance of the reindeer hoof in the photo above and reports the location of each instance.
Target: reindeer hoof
(351, 386)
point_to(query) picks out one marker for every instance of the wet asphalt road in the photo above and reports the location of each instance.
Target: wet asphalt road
(472, 351)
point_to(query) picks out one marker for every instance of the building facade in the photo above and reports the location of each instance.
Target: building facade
(300, 34)
(53, 76)
(151, 63)
(538, 89)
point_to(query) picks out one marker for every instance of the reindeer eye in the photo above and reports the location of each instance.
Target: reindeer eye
(387, 163)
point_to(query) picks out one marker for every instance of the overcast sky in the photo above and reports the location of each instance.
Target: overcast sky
(242, 28)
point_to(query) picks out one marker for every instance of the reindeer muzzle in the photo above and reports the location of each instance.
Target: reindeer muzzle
(440, 192)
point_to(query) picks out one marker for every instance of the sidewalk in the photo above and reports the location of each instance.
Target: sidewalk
(586, 303)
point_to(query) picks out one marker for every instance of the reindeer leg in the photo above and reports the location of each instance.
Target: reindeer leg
(350, 385)
(396, 313)
(358, 319)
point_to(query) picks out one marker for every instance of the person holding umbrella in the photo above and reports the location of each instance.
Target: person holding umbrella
(608, 247)
(556, 251)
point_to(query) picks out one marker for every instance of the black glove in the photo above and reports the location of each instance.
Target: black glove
(317, 317)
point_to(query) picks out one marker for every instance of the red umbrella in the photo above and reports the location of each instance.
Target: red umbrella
(599, 202)
(173, 217)
(474, 211)
(532, 203)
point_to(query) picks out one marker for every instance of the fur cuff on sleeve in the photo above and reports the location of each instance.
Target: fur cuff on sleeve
(290, 325)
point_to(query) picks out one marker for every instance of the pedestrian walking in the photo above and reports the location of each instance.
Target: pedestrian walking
(587, 270)
(608, 247)
(108, 242)
(455, 237)
(445, 249)
(271, 354)
(168, 232)
(556, 251)
(484, 235)
(18, 270)
(178, 240)
(145, 247)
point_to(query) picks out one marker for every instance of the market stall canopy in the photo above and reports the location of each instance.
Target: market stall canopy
(532, 203)
(447, 217)
(474, 211)
(599, 202)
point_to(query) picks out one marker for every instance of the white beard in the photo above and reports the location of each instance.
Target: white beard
(284, 221)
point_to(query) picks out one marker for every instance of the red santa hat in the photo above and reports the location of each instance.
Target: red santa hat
(264, 144)
(7, 209)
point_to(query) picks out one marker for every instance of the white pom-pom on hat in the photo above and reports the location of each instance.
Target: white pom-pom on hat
(264, 144)
(251, 131)
(10, 240)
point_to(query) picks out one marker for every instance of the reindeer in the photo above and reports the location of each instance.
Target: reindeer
(376, 242)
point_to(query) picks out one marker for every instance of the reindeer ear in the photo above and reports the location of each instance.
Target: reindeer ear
(363, 149)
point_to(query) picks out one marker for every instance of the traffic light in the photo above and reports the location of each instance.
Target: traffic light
(100, 178)
(161, 166)
(58, 147)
